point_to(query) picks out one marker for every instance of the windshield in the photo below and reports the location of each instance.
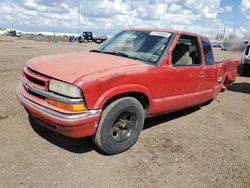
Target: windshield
(147, 46)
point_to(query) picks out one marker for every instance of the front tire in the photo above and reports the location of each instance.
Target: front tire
(120, 125)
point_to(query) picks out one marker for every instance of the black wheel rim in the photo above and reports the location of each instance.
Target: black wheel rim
(124, 126)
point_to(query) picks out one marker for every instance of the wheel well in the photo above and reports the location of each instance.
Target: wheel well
(141, 97)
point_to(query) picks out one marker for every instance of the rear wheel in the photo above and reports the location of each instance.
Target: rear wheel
(120, 125)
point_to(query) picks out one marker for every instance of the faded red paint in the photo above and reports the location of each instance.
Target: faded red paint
(103, 76)
(70, 67)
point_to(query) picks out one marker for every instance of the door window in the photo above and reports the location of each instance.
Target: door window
(186, 52)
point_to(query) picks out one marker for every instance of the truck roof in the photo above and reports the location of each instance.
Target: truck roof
(168, 30)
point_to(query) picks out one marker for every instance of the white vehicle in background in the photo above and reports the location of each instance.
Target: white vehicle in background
(245, 61)
(19, 34)
(217, 44)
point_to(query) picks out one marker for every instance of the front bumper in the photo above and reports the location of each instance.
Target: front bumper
(74, 125)
(245, 61)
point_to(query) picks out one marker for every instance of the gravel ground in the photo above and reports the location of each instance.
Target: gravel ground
(203, 146)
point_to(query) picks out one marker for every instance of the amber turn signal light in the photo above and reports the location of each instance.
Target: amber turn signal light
(66, 106)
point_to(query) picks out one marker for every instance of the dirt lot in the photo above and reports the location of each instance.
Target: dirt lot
(204, 146)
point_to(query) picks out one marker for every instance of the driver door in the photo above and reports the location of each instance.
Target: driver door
(182, 79)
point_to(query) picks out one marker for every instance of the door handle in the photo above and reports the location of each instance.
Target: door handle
(201, 74)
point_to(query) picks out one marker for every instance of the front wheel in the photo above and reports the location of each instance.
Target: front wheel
(120, 125)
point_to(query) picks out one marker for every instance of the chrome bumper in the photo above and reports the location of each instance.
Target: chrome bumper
(246, 61)
(53, 112)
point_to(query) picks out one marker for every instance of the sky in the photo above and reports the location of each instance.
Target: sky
(110, 16)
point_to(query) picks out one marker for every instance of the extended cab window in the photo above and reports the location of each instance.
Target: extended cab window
(186, 52)
(208, 53)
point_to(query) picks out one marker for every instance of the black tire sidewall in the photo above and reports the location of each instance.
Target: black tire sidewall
(110, 114)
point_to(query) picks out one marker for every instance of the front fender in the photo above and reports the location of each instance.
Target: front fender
(120, 90)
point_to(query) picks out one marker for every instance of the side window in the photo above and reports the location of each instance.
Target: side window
(186, 52)
(209, 57)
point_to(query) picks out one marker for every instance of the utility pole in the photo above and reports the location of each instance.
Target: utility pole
(234, 30)
(54, 30)
(224, 31)
(79, 20)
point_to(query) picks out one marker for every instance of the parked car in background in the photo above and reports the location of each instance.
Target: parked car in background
(88, 37)
(217, 45)
(100, 39)
(245, 62)
(108, 92)
(11, 33)
(233, 45)
(226, 46)
(19, 34)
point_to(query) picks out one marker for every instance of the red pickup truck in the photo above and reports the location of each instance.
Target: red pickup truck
(107, 93)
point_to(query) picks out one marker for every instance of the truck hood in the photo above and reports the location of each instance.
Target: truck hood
(70, 67)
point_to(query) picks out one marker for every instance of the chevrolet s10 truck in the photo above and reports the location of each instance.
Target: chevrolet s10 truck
(108, 92)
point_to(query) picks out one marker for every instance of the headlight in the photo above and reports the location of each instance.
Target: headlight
(65, 89)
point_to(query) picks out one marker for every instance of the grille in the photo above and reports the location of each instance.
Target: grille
(35, 79)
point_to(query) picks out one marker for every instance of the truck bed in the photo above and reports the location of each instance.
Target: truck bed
(227, 69)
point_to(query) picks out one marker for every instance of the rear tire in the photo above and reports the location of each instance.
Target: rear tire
(120, 125)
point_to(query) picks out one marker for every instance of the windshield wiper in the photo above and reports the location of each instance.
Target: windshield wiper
(117, 53)
(98, 51)
(137, 58)
(112, 53)
(124, 55)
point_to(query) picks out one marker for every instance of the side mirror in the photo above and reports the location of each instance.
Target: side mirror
(167, 60)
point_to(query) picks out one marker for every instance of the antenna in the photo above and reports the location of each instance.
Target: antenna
(78, 29)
